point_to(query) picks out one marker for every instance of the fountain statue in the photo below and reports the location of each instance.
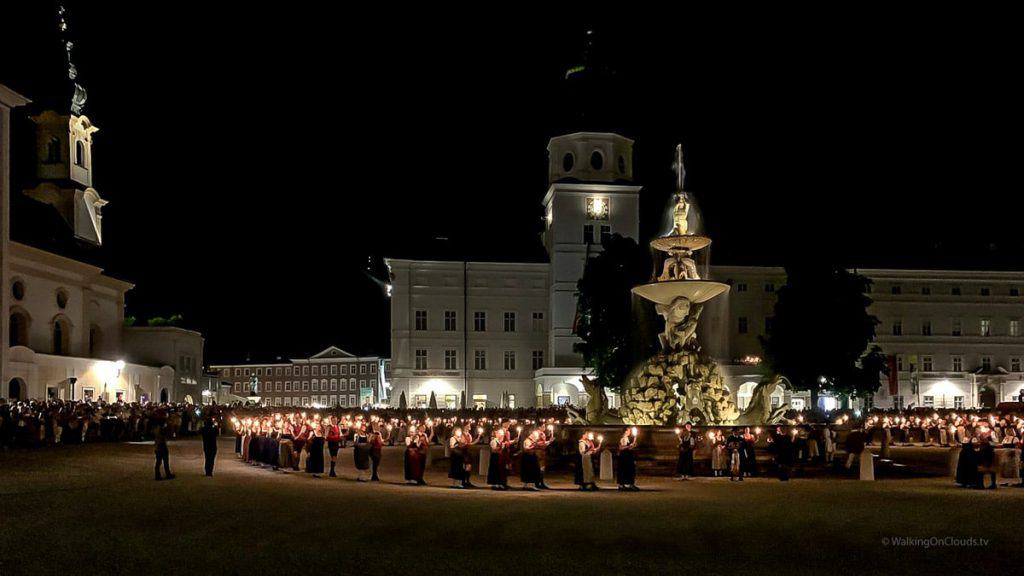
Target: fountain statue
(680, 383)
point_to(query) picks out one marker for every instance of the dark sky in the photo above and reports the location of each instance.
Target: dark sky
(255, 158)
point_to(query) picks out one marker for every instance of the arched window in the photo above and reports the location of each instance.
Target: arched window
(53, 151)
(15, 388)
(79, 153)
(163, 395)
(18, 329)
(61, 337)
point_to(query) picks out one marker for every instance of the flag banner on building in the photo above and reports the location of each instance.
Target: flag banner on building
(894, 377)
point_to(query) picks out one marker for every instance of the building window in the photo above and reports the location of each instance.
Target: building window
(288, 371)
(421, 319)
(897, 290)
(957, 327)
(926, 363)
(305, 370)
(277, 386)
(316, 370)
(287, 386)
(1015, 364)
(958, 402)
(479, 321)
(1014, 328)
(588, 233)
(958, 363)
(480, 359)
(421, 359)
(606, 233)
(741, 287)
(334, 384)
(742, 325)
(510, 321)
(986, 363)
(926, 328)
(926, 291)
(954, 291)
(373, 368)
(929, 401)
(344, 369)
(480, 401)
(61, 338)
(769, 287)
(897, 328)
(897, 402)
(1014, 291)
(450, 360)
(986, 327)
(259, 371)
(79, 153)
(449, 320)
(899, 362)
(305, 385)
(538, 359)
(986, 291)
(362, 368)
(538, 322)
(510, 360)
(316, 386)
(334, 369)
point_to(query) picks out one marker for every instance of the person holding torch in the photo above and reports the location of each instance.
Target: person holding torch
(627, 460)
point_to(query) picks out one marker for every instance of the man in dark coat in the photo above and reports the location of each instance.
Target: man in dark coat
(210, 433)
(785, 453)
(162, 453)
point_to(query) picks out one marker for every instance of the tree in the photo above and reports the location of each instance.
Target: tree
(402, 404)
(433, 402)
(821, 330)
(615, 328)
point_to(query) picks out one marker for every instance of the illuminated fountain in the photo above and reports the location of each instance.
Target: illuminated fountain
(679, 383)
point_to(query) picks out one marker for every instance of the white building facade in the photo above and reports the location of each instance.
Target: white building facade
(63, 319)
(954, 337)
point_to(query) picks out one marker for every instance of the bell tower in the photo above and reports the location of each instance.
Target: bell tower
(590, 197)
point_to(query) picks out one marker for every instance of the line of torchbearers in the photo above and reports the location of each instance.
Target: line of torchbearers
(296, 442)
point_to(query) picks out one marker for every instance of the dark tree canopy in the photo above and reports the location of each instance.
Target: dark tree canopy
(615, 328)
(821, 333)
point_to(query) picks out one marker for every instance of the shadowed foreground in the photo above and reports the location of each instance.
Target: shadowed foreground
(95, 509)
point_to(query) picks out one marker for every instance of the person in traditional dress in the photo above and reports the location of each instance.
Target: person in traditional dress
(529, 467)
(361, 451)
(500, 461)
(627, 460)
(828, 436)
(458, 445)
(315, 449)
(239, 433)
(285, 446)
(718, 454)
(733, 448)
(586, 448)
(333, 443)
(687, 445)
(299, 443)
(416, 451)
(748, 456)
(377, 440)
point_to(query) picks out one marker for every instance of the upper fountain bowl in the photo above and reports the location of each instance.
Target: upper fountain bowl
(686, 242)
(696, 291)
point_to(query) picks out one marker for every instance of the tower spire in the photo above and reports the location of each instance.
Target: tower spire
(79, 96)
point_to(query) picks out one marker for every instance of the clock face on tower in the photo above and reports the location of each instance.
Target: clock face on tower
(597, 208)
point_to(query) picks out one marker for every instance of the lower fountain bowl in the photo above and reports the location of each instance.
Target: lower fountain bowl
(696, 291)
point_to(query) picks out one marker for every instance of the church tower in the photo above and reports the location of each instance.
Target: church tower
(63, 172)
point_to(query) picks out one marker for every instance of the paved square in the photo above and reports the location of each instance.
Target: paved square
(95, 509)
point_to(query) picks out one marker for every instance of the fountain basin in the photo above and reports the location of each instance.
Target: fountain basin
(687, 242)
(696, 291)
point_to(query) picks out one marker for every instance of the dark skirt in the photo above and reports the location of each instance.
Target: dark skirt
(315, 460)
(529, 469)
(497, 473)
(238, 443)
(627, 468)
(967, 466)
(456, 469)
(748, 460)
(410, 456)
(332, 447)
(684, 466)
(273, 452)
(361, 455)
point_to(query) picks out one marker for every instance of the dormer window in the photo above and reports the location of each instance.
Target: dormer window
(53, 151)
(596, 160)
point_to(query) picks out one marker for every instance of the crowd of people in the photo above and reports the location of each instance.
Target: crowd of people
(34, 423)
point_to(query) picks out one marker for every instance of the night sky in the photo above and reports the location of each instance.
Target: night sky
(255, 158)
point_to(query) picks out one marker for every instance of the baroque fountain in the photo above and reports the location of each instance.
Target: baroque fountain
(680, 383)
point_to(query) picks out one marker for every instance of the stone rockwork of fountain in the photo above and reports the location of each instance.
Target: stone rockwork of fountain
(679, 383)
